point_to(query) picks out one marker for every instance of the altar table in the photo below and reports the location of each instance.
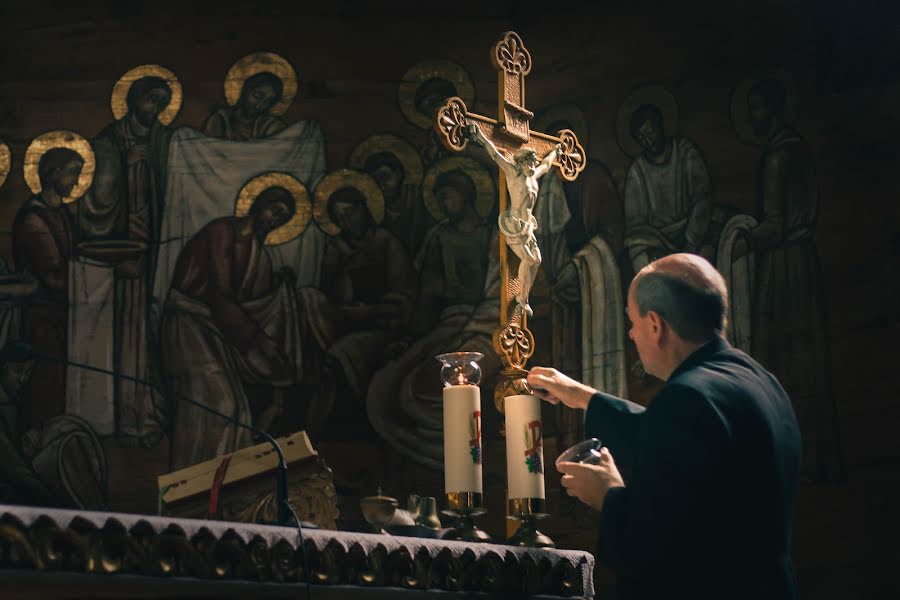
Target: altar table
(68, 554)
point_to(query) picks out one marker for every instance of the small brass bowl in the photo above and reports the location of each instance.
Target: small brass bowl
(378, 510)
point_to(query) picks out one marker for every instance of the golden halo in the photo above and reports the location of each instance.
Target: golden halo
(293, 228)
(120, 91)
(59, 139)
(648, 94)
(386, 142)
(423, 71)
(338, 180)
(739, 117)
(5, 161)
(262, 62)
(568, 113)
(485, 196)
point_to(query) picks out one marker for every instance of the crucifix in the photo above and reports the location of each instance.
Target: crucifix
(523, 156)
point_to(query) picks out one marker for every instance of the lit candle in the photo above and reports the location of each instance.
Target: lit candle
(524, 447)
(462, 423)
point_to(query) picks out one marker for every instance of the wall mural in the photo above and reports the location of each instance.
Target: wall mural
(225, 263)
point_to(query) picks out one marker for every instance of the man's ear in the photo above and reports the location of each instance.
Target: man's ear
(657, 325)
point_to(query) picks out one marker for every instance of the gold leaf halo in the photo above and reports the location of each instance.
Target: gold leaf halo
(262, 62)
(5, 161)
(386, 142)
(298, 223)
(485, 195)
(423, 71)
(119, 97)
(567, 113)
(656, 95)
(740, 119)
(338, 180)
(60, 138)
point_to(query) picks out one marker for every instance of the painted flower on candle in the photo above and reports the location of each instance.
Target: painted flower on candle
(475, 435)
(533, 442)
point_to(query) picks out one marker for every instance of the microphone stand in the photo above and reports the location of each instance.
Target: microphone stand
(285, 512)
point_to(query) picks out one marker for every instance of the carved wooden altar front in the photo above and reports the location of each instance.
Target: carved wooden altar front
(46, 553)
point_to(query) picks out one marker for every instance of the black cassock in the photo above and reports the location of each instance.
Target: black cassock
(713, 466)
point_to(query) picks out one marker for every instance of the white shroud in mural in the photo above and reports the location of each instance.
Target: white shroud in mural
(739, 275)
(204, 178)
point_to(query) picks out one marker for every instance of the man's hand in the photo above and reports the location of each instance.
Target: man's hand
(554, 387)
(589, 483)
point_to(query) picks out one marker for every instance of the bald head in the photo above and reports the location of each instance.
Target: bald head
(687, 292)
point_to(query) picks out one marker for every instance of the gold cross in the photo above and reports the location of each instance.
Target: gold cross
(510, 133)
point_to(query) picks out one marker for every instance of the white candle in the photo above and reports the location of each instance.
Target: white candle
(524, 446)
(462, 439)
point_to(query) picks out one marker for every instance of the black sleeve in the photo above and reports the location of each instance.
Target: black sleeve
(682, 445)
(615, 422)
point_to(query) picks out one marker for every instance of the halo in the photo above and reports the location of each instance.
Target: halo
(344, 178)
(739, 117)
(120, 91)
(568, 113)
(262, 62)
(421, 72)
(5, 161)
(60, 138)
(253, 188)
(386, 142)
(485, 196)
(648, 94)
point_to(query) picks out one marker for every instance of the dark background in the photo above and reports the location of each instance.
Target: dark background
(59, 60)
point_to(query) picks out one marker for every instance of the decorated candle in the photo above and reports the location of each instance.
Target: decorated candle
(462, 438)
(524, 446)
(462, 422)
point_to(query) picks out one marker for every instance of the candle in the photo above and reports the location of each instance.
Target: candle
(524, 446)
(462, 439)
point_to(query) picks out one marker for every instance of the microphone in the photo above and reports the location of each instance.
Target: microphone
(285, 512)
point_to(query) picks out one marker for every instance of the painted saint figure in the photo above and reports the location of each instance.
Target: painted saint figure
(258, 88)
(517, 222)
(788, 320)
(228, 321)
(365, 296)
(43, 244)
(126, 203)
(457, 310)
(668, 205)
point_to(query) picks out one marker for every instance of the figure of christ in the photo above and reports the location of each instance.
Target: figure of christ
(126, 203)
(250, 117)
(228, 321)
(43, 244)
(668, 206)
(362, 308)
(517, 222)
(457, 309)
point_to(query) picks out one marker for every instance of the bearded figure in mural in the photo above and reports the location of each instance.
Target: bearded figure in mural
(258, 89)
(125, 205)
(229, 320)
(782, 290)
(364, 299)
(668, 202)
(457, 310)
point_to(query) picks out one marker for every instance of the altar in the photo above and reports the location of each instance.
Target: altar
(51, 553)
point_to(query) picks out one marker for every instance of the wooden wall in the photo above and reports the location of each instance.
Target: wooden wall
(58, 62)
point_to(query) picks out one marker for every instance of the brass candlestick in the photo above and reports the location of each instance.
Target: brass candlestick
(465, 506)
(529, 511)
